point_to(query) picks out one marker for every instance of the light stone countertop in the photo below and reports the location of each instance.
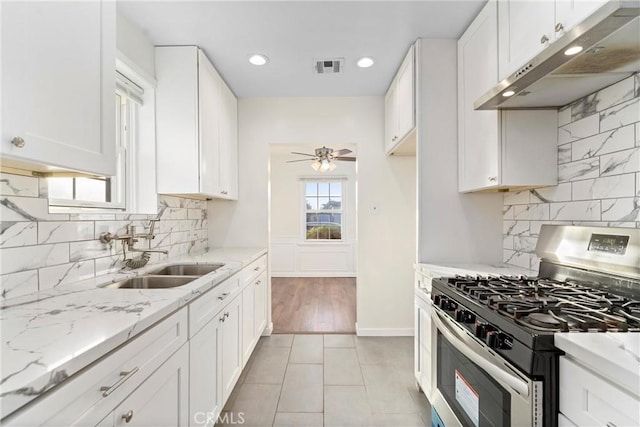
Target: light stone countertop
(494, 269)
(50, 335)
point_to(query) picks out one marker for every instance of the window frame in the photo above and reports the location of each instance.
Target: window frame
(304, 211)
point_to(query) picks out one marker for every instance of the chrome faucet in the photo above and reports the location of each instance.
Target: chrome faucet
(129, 240)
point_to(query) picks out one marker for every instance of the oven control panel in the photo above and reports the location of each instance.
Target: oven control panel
(608, 243)
(484, 331)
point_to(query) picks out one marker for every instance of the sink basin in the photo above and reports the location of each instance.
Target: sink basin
(151, 282)
(186, 269)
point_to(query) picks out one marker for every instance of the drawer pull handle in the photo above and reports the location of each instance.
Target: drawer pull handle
(559, 27)
(258, 282)
(226, 315)
(544, 39)
(257, 268)
(127, 417)
(221, 319)
(223, 296)
(18, 142)
(107, 390)
(610, 424)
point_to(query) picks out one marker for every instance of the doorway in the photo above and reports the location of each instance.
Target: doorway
(312, 240)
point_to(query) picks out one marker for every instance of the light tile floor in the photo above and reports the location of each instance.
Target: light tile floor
(329, 380)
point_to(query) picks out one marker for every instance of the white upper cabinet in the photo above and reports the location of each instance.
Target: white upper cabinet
(197, 121)
(498, 149)
(58, 85)
(527, 27)
(400, 105)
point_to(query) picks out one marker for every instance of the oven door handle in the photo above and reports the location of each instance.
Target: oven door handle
(500, 375)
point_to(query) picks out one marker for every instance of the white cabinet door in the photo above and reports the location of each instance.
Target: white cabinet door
(405, 96)
(422, 344)
(197, 133)
(248, 322)
(524, 29)
(390, 118)
(58, 84)
(205, 400)
(587, 399)
(163, 399)
(231, 347)
(571, 12)
(260, 303)
(210, 111)
(478, 131)
(228, 145)
(399, 104)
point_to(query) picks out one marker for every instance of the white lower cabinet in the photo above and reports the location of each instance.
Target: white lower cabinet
(231, 351)
(422, 343)
(254, 313)
(587, 399)
(162, 400)
(205, 399)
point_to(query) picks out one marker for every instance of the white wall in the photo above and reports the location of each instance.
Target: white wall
(386, 241)
(291, 255)
(453, 227)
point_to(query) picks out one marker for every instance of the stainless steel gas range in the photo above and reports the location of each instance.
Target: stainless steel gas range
(487, 355)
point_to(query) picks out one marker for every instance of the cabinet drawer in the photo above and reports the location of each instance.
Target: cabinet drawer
(248, 273)
(80, 400)
(202, 310)
(588, 399)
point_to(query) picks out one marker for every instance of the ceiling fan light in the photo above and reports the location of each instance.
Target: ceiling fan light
(325, 165)
(316, 165)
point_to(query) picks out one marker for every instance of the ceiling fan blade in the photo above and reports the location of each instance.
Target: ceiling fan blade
(340, 152)
(345, 159)
(303, 160)
(303, 154)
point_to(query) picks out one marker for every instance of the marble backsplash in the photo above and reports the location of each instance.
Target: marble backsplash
(598, 173)
(41, 250)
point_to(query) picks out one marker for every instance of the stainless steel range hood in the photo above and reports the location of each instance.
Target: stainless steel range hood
(610, 39)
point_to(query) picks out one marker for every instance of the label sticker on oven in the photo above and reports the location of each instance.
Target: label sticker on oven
(468, 399)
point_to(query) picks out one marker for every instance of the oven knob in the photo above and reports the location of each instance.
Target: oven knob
(499, 340)
(482, 329)
(465, 316)
(448, 305)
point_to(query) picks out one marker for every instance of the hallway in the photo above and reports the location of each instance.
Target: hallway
(313, 304)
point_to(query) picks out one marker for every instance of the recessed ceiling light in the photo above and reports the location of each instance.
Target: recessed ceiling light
(365, 62)
(258, 59)
(508, 93)
(573, 50)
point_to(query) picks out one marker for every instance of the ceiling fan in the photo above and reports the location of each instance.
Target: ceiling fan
(323, 159)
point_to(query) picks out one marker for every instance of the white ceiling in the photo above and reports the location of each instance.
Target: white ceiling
(294, 33)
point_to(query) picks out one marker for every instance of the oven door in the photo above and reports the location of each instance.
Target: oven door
(475, 387)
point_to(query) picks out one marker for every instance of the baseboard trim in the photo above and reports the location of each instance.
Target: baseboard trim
(312, 274)
(268, 330)
(383, 332)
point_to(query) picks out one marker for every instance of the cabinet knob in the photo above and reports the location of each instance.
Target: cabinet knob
(258, 282)
(223, 296)
(127, 417)
(18, 142)
(224, 192)
(493, 179)
(257, 268)
(226, 315)
(559, 27)
(544, 39)
(221, 319)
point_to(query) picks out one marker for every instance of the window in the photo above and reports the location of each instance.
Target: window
(323, 210)
(66, 192)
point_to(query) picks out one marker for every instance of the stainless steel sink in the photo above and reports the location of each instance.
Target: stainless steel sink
(186, 269)
(151, 282)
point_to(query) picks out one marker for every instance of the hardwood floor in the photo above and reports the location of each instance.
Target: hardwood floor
(313, 304)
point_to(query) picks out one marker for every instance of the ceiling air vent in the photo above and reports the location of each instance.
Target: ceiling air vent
(328, 66)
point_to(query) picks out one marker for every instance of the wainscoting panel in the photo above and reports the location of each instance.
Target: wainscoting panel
(292, 258)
